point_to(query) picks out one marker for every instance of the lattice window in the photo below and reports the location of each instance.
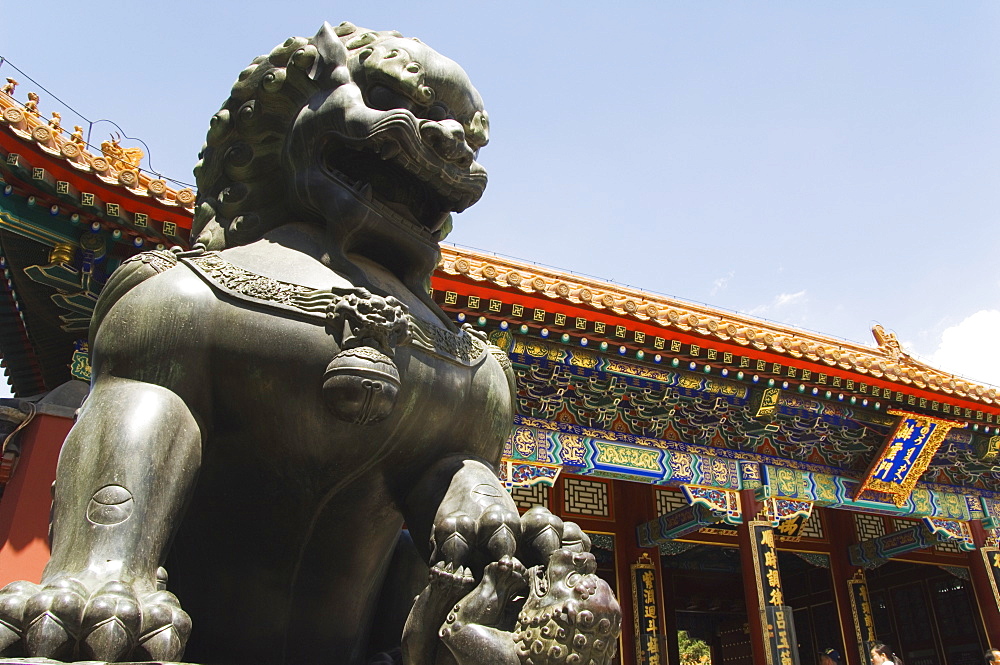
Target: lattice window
(949, 547)
(813, 528)
(868, 526)
(531, 496)
(669, 501)
(586, 497)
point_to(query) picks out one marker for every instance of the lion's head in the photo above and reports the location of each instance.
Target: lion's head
(570, 615)
(369, 133)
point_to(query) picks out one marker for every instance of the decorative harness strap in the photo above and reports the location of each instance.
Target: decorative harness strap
(467, 347)
(362, 380)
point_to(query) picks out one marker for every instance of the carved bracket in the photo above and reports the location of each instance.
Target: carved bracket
(707, 506)
(514, 473)
(931, 531)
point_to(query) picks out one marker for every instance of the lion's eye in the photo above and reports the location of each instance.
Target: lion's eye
(386, 99)
(437, 112)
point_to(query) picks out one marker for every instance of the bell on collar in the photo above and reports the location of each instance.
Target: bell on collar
(360, 385)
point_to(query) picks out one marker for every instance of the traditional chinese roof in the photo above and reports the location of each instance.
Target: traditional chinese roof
(661, 316)
(68, 217)
(679, 393)
(117, 194)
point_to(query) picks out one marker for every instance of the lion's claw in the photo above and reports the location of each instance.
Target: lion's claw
(63, 620)
(445, 576)
(52, 619)
(165, 628)
(110, 623)
(508, 575)
(13, 599)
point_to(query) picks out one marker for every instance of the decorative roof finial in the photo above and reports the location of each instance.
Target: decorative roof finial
(31, 106)
(887, 342)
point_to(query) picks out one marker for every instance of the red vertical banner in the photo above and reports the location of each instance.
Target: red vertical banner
(646, 613)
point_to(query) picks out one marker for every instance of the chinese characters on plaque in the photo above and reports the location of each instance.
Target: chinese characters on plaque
(861, 608)
(905, 455)
(647, 631)
(779, 629)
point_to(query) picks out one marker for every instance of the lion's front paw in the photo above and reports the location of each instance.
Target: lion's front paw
(453, 580)
(508, 575)
(13, 599)
(65, 620)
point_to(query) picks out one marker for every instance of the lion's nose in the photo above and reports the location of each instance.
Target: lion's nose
(447, 139)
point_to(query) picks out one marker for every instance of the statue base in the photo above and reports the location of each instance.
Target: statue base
(49, 661)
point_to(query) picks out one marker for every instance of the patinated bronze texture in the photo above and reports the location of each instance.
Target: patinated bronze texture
(268, 409)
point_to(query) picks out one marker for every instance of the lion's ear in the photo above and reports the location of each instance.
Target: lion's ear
(332, 52)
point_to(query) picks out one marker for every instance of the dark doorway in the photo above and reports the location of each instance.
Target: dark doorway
(704, 589)
(926, 613)
(808, 587)
(703, 586)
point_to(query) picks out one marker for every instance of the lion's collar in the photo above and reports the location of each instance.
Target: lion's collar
(466, 347)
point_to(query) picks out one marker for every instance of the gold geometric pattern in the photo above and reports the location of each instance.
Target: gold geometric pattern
(531, 496)
(669, 313)
(813, 528)
(868, 526)
(900, 523)
(586, 497)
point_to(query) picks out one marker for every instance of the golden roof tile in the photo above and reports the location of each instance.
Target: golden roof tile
(31, 127)
(886, 361)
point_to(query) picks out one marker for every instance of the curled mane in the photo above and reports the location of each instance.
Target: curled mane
(242, 191)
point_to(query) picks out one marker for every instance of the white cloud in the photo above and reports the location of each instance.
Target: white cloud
(971, 348)
(781, 302)
(722, 282)
(788, 298)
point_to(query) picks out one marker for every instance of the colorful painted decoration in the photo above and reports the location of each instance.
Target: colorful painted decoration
(905, 456)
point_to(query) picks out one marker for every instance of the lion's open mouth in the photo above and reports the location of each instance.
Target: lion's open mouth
(419, 198)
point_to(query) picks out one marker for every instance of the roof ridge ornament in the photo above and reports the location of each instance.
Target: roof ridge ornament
(888, 343)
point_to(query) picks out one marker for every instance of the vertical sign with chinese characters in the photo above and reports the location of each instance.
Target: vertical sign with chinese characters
(861, 609)
(992, 557)
(905, 455)
(779, 631)
(647, 622)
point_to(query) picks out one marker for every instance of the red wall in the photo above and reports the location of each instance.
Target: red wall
(24, 510)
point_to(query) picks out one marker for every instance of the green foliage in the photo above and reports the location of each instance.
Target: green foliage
(693, 651)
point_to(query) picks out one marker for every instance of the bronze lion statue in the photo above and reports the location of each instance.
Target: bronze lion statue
(271, 407)
(560, 612)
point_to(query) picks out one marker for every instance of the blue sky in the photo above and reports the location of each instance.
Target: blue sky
(828, 165)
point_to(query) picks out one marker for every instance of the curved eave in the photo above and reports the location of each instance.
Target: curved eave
(662, 317)
(47, 164)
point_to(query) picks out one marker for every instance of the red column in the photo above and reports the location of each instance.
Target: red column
(26, 501)
(749, 507)
(633, 506)
(840, 525)
(982, 584)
